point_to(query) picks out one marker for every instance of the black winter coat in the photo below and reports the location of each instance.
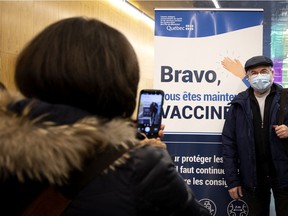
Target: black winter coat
(239, 147)
(43, 144)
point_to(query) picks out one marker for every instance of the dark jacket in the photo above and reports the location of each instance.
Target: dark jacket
(43, 144)
(239, 144)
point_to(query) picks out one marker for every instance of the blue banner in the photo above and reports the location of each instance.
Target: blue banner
(199, 57)
(183, 23)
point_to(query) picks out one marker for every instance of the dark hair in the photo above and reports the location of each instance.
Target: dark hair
(81, 62)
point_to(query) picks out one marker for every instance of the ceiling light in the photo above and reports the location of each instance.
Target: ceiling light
(216, 4)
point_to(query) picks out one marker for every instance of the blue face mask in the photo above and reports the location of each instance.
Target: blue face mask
(261, 82)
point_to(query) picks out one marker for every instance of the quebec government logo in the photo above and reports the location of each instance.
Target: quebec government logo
(237, 208)
(210, 205)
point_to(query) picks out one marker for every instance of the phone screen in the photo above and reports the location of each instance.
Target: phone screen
(150, 110)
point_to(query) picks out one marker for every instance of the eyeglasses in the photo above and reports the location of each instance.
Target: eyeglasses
(256, 73)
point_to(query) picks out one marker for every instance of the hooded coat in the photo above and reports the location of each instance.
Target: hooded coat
(45, 144)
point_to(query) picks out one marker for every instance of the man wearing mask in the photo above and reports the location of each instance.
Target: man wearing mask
(255, 160)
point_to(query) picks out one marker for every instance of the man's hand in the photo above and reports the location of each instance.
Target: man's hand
(281, 131)
(236, 193)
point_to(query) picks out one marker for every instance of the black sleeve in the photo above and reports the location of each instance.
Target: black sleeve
(160, 189)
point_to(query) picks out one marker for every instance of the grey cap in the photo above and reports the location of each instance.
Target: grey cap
(258, 61)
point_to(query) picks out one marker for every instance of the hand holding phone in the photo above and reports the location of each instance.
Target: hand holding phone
(149, 115)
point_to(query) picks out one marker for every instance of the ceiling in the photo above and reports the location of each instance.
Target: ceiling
(148, 6)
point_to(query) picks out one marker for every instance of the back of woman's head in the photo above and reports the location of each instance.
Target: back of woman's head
(81, 62)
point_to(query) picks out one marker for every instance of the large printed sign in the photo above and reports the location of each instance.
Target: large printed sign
(199, 57)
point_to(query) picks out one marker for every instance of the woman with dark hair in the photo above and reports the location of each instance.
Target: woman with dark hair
(70, 144)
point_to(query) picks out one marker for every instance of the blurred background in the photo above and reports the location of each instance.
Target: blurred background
(275, 44)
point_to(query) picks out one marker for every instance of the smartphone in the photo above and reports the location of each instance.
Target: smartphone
(150, 109)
